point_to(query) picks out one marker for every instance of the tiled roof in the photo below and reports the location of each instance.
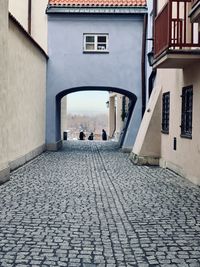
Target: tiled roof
(98, 3)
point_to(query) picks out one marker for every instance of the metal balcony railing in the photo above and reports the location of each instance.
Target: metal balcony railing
(173, 29)
(194, 2)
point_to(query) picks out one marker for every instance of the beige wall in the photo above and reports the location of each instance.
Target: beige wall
(151, 143)
(22, 93)
(19, 9)
(3, 89)
(39, 22)
(26, 92)
(185, 160)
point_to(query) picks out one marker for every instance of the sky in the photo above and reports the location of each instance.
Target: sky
(87, 102)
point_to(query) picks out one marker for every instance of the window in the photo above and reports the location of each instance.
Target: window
(165, 112)
(96, 42)
(187, 106)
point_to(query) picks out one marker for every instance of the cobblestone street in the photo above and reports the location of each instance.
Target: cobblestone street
(89, 206)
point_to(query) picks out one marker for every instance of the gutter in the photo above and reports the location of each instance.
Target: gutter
(95, 10)
(29, 16)
(143, 63)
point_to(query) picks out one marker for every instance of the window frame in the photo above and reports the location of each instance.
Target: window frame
(165, 112)
(95, 50)
(187, 112)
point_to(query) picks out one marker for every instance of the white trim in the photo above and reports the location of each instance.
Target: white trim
(95, 43)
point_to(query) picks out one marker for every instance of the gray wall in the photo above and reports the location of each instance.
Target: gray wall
(69, 67)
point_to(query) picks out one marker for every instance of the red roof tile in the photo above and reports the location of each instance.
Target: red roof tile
(98, 3)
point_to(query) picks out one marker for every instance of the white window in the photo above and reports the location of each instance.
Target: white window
(96, 42)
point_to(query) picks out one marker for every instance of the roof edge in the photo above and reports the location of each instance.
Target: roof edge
(96, 10)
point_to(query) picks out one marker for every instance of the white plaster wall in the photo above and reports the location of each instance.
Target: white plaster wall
(26, 93)
(185, 160)
(119, 122)
(148, 140)
(111, 120)
(3, 83)
(39, 22)
(160, 4)
(115, 119)
(19, 9)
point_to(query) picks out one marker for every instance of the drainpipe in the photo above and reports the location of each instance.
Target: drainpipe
(29, 15)
(155, 9)
(143, 63)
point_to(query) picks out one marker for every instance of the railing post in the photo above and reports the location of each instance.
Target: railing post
(178, 24)
(179, 32)
(185, 22)
(169, 23)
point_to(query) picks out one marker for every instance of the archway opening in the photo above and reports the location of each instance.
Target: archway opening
(56, 122)
(85, 113)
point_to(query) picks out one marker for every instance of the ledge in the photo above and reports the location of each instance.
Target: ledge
(54, 146)
(96, 52)
(4, 175)
(186, 136)
(180, 170)
(126, 149)
(26, 158)
(164, 132)
(144, 160)
(176, 58)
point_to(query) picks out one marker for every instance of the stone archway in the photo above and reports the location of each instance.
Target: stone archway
(53, 133)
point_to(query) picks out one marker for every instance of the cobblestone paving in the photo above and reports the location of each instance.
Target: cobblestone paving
(89, 206)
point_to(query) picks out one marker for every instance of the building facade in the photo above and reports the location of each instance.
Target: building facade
(171, 120)
(94, 47)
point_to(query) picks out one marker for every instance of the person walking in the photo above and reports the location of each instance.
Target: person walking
(104, 135)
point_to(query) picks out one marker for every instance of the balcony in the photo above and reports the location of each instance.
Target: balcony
(176, 38)
(195, 11)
